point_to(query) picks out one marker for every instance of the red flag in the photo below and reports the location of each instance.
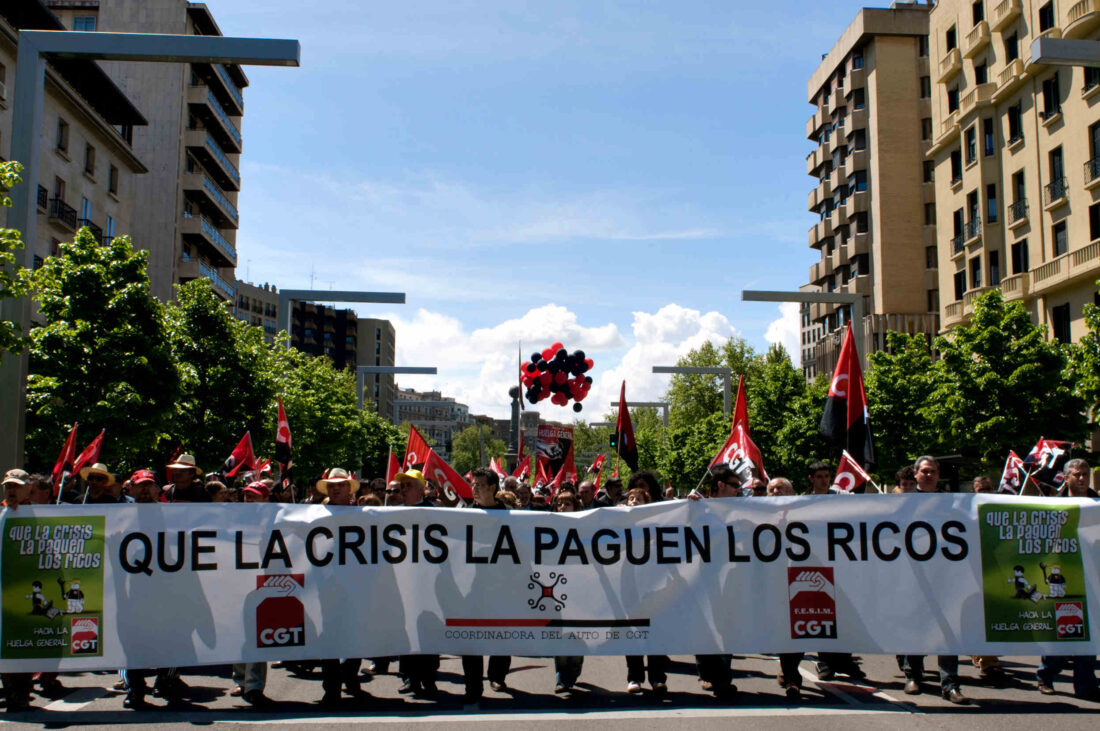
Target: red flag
(90, 455)
(740, 453)
(597, 467)
(416, 451)
(569, 467)
(541, 477)
(850, 477)
(494, 465)
(446, 479)
(64, 461)
(242, 456)
(1010, 477)
(282, 440)
(392, 467)
(523, 468)
(262, 465)
(846, 421)
(741, 408)
(625, 445)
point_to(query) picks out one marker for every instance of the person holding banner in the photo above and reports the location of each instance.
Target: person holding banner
(339, 488)
(186, 481)
(418, 671)
(567, 668)
(485, 484)
(646, 485)
(1075, 484)
(251, 677)
(927, 471)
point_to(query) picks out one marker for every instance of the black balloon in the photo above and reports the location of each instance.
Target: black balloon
(536, 357)
(562, 353)
(531, 368)
(579, 355)
(577, 408)
(588, 379)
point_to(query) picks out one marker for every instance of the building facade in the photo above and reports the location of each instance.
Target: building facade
(874, 198)
(320, 330)
(88, 170)
(258, 305)
(439, 423)
(187, 206)
(1017, 160)
(378, 346)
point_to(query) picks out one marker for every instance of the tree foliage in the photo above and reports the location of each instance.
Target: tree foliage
(695, 397)
(102, 358)
(1085, 364)
(12, 279)
(466, 448)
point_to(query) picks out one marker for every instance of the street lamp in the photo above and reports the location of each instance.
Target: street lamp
(35, 46)
(704, 371)
(361, 373)
(662, 405)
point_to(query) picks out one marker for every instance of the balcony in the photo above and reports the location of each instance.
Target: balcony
(43, 198)
(1015, 287)
(815, 160)
(1017, 213)
(1005, 13)
(94, 229)
(839, 216)
(818, 195)
(217, 78)
(205, 105)
(202, 231)
(1092, 173)
(222, 287)
(1009, 78)
(858, 119)
(819, 232)
(199, 187)
(950, 124)
(860, 284)
(859, 160)
(206, 149)
(978, 97)
(958, 244)
(1082, 264)
(950, 65)
(861, 244)
(860, 201)
(1081, 19)
(970, 296)
(188, 268)
(952, 314)
(63, 213)
(977, 39)
(1055, 194)
(972, 231)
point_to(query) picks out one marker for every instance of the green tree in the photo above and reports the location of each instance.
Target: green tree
(695, 397)
(1085, 364)
(466, 448)
(691, 447)
(12, 282)
(102, 357)
(798, 441)
(228, 378)
(770, 394)
(1002, 385)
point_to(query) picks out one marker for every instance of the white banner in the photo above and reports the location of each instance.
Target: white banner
(100, 587)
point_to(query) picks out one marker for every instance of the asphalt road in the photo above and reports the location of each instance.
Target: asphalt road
(599, 701)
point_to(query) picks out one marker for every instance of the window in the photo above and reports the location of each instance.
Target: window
(973, 213)
(1094, 222)
(85, 208)
(861, 222)
(929, 214)
(926, 128)
(922, 46)
(1015, 126)
(930, 257)
(3, 81)
(956, 166)
(1018, 187)
(977, 11)
(62, 135)
(1057, 170)
(976, 272)
(857, 61)
(1019, 257)
(960, 285)
(970, 138)
(929, 170)
(859, 98)
(953, 99)
(991, 207)
(1059, 323)
(951, 39)
(89, 160)
(994, 268)
(1092, 77)
(1046, 17)
(110, 227)
(987, 137)
(59, 188)
(1059, 238)
(112, 180)
(981, 73)
(925, 87)
(859, 140)
(1012, 48)
(958, 222)
(377, 348)
(1052, 101)
(857, 182)
(933, 300)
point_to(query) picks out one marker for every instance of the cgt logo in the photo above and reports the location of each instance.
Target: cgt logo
(84, 635)
(812, 602)
(1069, 617)
(280, 616)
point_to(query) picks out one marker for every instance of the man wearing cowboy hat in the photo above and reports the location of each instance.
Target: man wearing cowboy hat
(186, 481)
(419, 671)
(99, 482)
(339, 487)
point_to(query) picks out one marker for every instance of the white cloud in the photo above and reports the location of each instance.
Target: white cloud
(787, 330)
(478, 367)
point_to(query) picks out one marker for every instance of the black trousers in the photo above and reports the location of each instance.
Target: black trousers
(418, 669)
(636, 666)
(788, 663)
(715, 669)
(473, 672)
(340, 673)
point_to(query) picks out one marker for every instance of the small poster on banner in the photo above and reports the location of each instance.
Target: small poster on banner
(52, 579)
(1033, 578)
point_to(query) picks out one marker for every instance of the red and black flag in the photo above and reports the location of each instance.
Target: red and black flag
(282, 440)
(1046, 461)
(846, 421)
(445, 478)
(416, 449)
(741, 455)
(242, 456)
(625, 445)
(64, 466)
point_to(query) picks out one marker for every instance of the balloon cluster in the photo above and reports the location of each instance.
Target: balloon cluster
(558, 375)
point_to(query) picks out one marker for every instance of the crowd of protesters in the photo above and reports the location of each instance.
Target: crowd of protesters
(185, 482)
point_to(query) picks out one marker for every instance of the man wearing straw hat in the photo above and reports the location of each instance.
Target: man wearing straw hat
(186, 481)
(419, 671)
(99, 482)
(340, 488)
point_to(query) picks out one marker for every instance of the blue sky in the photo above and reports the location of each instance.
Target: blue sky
(608, 174)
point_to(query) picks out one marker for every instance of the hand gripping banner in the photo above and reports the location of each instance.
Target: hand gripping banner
(139, 586)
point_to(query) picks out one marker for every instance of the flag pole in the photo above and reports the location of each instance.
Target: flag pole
(1023, 483)
(61, 487)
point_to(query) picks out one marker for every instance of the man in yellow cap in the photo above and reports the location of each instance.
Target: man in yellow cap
(419, 671)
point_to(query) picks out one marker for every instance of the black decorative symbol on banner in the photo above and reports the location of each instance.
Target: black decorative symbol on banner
(546, 595)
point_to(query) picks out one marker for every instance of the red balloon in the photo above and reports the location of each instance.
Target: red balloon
(560, 378)
(582, 396)
(548, 354)
(545, 379)
(556, 347)
(588, 362)
(544, 395)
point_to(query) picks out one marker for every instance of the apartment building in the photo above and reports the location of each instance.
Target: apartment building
(1017, 160)
(188, 205)
(378, 346)
(258, 304)
(438, 423)
(88, 170)
(320, 330)
(874, 198)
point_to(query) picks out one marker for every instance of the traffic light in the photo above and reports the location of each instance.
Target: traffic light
(614, 439)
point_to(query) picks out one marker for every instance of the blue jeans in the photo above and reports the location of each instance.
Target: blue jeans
(1084, 672)
(567, 668)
